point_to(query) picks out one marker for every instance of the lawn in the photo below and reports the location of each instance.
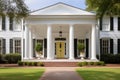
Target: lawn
(99, 73)
(20, 73)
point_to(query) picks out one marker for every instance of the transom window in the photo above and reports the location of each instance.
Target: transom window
(82, 41)
(105, 45)
(17, 46)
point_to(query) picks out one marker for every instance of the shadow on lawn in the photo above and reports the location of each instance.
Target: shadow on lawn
(21, 76)
(99, 75)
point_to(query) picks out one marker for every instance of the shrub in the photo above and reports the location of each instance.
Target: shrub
(20, 63)
(40, 64)
(84, 63)
(79, 64)
(35, 63)
(2, 59)
(91, 63)
(110, 58)
(12, 58)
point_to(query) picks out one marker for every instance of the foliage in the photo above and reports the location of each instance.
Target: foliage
(13, 8)
(100, 63)
(21, 73)
(104, 7)
(38, 47)
(80, 47)
(20, 63)
(110, 58)
(12, 58)
(2, 59)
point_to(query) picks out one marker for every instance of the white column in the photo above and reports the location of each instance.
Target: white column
(30, 45)
(7, 39)
(71, 42)
(93, 42)
(22, 37)
(26, 42)
(49, 42)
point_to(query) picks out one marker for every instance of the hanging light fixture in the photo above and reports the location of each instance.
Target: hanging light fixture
(60, 32)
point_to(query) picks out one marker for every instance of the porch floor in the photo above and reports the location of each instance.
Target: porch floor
(60, 60)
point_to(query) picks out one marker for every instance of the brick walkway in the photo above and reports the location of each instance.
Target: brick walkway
(60, 73)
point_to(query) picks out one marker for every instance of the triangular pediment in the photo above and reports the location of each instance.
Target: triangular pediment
(61, 9)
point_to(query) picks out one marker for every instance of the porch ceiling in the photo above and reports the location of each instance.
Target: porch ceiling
(79, 29)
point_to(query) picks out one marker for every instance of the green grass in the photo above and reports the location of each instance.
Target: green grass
(99, 73)
(20, 73)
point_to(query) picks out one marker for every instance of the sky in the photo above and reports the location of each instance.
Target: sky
(38, 4)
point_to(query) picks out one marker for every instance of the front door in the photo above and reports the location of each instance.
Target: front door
(60, 49)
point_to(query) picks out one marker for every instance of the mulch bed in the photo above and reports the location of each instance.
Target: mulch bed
(16, 65)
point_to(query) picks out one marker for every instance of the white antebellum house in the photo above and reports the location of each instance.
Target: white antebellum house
(59, 28)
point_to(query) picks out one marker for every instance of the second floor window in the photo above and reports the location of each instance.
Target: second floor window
(14, 24)
(107, 24)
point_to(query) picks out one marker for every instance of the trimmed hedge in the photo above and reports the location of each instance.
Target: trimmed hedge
(100, 63)
(110, 58)
(20, 63)
(10, 58)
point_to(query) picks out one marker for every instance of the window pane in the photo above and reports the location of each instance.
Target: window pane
(17, 45)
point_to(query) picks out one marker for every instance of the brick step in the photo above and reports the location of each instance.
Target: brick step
(60, 64)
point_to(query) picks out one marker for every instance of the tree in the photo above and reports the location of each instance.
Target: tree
(13, 8)
(104, 7)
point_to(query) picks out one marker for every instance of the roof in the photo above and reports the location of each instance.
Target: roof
(61, 9)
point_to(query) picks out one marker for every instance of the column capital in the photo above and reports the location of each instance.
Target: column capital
(49, 24)
(71, 24)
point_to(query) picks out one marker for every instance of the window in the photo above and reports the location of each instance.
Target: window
(105, 46)
(2, 46)
(2, 23)
(82, 41)
(14, 25)
(11, 23)
(107, 24)
(17, 46)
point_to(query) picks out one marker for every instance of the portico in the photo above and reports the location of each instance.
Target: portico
(45, 25)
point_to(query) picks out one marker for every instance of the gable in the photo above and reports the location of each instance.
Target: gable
(61, 9)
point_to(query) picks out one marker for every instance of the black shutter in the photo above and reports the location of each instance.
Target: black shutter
(100, 23)
(118, 46)
(87, 47)
(111, 46)
(4, 46)
(23, 47)
(34, 48)
(101, 46)
(11, 23)
(45, 47)
(11, 45)
(111, 23)
(3, 23)
(75, 48)
(23, 24)
(119, 23)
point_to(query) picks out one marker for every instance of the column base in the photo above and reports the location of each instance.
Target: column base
(71, 58)
(25, 58)
(94, 59)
